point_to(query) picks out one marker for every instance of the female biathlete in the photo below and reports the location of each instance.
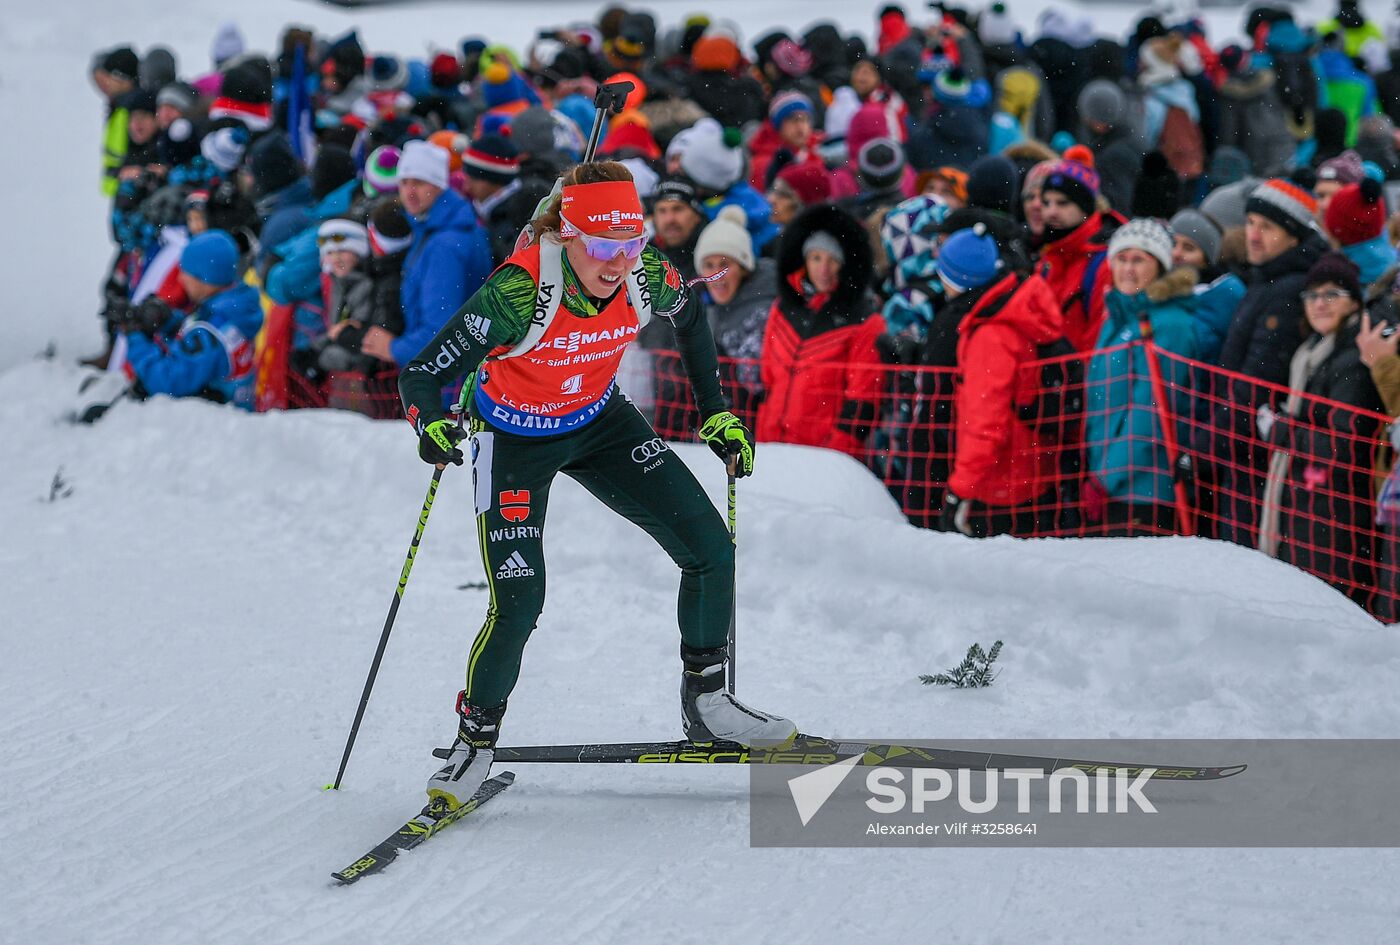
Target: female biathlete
(544, 337)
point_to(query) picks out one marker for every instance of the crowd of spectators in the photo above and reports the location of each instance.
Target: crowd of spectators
(907, 225)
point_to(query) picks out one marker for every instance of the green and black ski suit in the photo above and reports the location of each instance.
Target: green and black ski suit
(544, 401)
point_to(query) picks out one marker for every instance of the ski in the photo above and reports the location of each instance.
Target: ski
(811, 750)
(418, 829)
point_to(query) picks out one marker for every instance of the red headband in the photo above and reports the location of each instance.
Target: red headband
(610, 208)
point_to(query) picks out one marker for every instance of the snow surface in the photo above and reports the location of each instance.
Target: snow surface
(187, 634)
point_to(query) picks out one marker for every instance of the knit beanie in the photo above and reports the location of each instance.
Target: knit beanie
(1102, 102)
(1345, 168)
(715, 52)
(420, 160)
(991, 183)
(995, 26)
(228, 44)
(712, 157)
(880, 163)
(491, 158)
(338, 234)
(1144, 233)
(382, 171)
(386, 73)
(274, 165)
(951, 87)
(1075, 177)
(1035, 177)
(787, 104)
(1356, 213)
(157, 68)
(533, 131)
(249, 81)
(1198, 228)
(728, 236)
(334, 168)
(680, 189)
(791, 58)
(969, 259)
(224, 147)
(822, 241)
(178, 95)
(389, 229)
(122, 62)
(502, 85)
(1225, 205)
(809, 181)
(1336, 268)
(211, 257)
(1286, 204)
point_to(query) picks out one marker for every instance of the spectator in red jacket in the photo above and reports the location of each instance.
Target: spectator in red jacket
(819, 366)
(785, 138)
(1075, 239)
(1003, 475)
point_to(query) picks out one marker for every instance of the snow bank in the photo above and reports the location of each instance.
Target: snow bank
(188, 631)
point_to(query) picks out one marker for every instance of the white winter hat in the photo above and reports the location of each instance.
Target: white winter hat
(224, 148)
(228, 44)
(728, 236)
(1144, 233)
(423, 161)
(337, 234)
(711, 157)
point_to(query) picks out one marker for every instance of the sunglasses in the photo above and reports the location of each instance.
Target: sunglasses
(605, 249)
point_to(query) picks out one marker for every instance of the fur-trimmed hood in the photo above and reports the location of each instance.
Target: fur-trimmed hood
(1176, 284)
(849, 301)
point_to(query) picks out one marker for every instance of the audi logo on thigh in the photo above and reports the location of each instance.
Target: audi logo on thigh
(649, 450)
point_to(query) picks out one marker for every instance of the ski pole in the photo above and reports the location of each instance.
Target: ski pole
(733, 540)
(610, 97)
(389, 623)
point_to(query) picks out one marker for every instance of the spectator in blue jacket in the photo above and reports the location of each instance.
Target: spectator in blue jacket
(211, 355)
(1127, 456)
(449, 260)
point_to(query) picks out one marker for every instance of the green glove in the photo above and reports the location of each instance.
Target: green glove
(729, 438)
(438, 443)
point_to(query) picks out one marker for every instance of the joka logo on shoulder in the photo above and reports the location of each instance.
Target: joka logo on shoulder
(514, 504)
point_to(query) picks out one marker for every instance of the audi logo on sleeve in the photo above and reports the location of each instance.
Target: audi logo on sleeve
(649, 450)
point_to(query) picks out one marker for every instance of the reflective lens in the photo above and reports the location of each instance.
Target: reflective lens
(605, 249)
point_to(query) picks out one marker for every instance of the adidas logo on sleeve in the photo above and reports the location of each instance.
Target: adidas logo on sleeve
(514, 567)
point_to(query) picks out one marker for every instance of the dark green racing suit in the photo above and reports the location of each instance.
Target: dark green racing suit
(615, 454)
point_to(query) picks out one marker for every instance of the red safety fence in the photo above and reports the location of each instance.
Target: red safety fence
(1127, 441)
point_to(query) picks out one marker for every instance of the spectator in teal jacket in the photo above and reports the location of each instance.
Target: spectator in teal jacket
(1130, 471)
